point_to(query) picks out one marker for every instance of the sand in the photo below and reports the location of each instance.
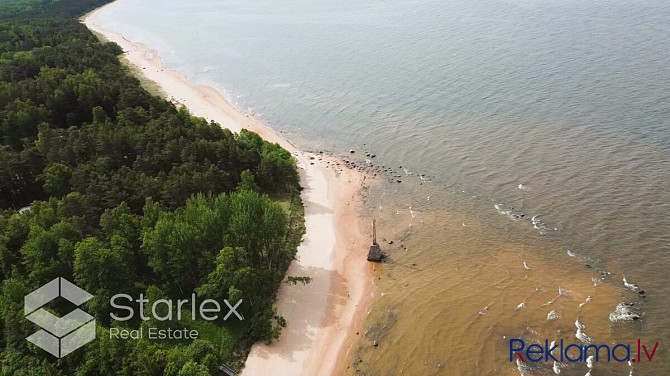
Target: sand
(325, 315)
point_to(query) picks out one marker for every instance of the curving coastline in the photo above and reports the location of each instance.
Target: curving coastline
(324, 316)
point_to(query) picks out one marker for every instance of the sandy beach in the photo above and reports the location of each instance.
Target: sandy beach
(325, 315)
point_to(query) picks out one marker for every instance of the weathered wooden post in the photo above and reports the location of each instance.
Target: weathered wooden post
(375, 253)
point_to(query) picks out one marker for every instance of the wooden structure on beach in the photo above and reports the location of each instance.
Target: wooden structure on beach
(227, 370)
(375, 253)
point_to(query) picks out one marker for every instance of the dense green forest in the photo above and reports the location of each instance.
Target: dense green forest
(119, 191)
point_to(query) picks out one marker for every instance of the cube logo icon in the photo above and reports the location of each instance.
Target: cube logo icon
(59, 336)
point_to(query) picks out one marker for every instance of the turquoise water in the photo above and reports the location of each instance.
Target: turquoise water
(557, 110)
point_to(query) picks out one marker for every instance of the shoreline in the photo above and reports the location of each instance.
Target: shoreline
(323, 317)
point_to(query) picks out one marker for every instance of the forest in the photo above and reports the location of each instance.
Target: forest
(120, 191)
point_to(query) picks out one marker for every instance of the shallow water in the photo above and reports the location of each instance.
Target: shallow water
(555, 110)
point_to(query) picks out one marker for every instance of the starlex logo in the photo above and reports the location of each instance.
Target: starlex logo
(59, 336)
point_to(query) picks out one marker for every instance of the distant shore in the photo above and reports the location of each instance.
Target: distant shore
(324, 316)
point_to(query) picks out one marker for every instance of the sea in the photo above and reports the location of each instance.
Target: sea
(522, 153)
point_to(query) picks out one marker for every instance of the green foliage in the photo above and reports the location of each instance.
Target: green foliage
(247, 181)
(293, 280)
(122, 192)
(57, 180)
(193, 369)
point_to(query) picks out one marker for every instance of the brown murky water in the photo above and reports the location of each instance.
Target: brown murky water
(455, 291)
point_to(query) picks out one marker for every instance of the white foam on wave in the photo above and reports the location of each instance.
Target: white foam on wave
(631, 286)
(579, 257)
(624, 312)
(508, 212)
(539, 225)
(553, 315)
(525, 266)
(500, 210)
(588, 299)
(519, 366)
(485, 310)
(557, 365)
(521, 305)
(580, 334)
(596, 280)
(602, 274)
(561, 292)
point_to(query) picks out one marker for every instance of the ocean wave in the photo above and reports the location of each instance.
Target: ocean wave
(624, 312)
(632, 287)
(485, 310)
(561, 292)
(510, 213)
(557, 367)
(588, 262)
(542, 227)
(553, 315)
(580, 334)
(602, 275)
(589, 362)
